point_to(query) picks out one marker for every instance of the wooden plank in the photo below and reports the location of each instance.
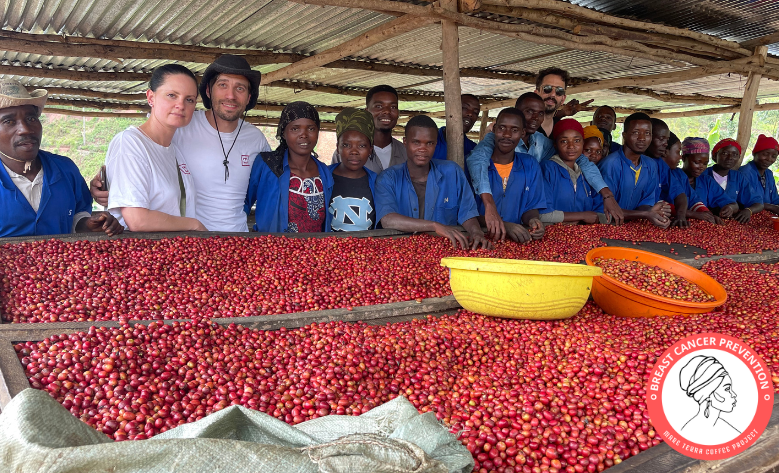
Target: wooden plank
(12, 377)
(764, 257)
(763, 456)
(264, 322)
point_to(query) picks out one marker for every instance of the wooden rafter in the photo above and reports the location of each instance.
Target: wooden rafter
(761, 41)
(712, 111)
(549, 36)
(73, 92)
(141, 77)
(579, 28)
(679, 98)
(117, 50)
(650, 80)
(92, 114)
(261, 107)
(382, 32)
(579, 12)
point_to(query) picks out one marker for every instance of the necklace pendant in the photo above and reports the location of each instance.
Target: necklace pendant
(27, 166)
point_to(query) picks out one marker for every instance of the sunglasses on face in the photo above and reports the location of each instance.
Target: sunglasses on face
(559, 91)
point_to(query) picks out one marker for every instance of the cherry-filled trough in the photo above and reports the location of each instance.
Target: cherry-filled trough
(523, 395)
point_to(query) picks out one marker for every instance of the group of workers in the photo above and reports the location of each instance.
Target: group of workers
(188, 170)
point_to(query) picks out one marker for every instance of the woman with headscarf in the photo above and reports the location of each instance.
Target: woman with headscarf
(706, 381)
(352, 207)
(290, 185)
(726, 154)
(706, 199)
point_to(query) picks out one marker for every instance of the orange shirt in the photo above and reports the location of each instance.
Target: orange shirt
(504, 170)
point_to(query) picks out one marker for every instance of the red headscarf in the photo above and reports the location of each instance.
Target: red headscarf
(565, 125)
(724, 143)
(764, 143)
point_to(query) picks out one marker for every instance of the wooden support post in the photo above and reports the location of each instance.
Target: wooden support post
(748, 105)
(454, 110)
(485, 118)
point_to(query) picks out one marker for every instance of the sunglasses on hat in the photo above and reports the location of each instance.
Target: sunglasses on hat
(559, 91)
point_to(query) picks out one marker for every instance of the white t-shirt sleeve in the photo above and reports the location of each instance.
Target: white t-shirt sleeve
(129, 172)
(263, 144)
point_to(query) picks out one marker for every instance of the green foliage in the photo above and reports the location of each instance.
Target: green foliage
(713, 136)
(84, 140)
(718, 127)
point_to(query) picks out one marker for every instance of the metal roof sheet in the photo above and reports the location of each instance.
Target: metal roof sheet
(283, 26)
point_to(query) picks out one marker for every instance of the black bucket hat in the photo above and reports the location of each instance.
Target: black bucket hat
(231, 64)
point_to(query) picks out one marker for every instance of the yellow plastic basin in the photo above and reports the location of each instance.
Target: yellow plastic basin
(520, 289)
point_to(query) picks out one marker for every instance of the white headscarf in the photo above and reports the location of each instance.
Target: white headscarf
(700, 377)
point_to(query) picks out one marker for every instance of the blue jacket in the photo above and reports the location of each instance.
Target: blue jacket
(64, 194)
(441, 148)
(540, 147)
(448, 197)
(769, 192)
(668, 189)
(708, 192)
(269, 187)
(560, 194)
(684, 184)
(524, 189)
(738, 188)
(629, 194)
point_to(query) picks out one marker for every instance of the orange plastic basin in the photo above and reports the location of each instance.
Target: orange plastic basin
(618, 298)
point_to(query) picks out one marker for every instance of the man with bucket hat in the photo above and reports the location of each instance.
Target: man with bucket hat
(218, 147)
(40, 193)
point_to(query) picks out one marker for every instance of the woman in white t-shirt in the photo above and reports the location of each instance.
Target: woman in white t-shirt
(150, 191)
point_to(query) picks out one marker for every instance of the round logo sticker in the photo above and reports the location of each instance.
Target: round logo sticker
(710, 396)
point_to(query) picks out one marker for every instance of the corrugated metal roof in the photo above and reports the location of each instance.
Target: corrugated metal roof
(735, 20)
(283, 26)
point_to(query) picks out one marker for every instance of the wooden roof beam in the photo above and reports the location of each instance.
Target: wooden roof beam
(546, 36)
(118, 50)
(73, 92)
(261, 107)
(712, 111)
(141, 77)
(679, 98)
(654, 79)
(83, 113)
(381, 33)
(579, 12)
(761, 41)
(579, 27)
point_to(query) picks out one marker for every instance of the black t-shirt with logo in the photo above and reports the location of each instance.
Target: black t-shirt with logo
(352, 205)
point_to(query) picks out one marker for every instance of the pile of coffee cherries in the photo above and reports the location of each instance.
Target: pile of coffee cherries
(653, 279)
(525, 396)
(183, 278)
